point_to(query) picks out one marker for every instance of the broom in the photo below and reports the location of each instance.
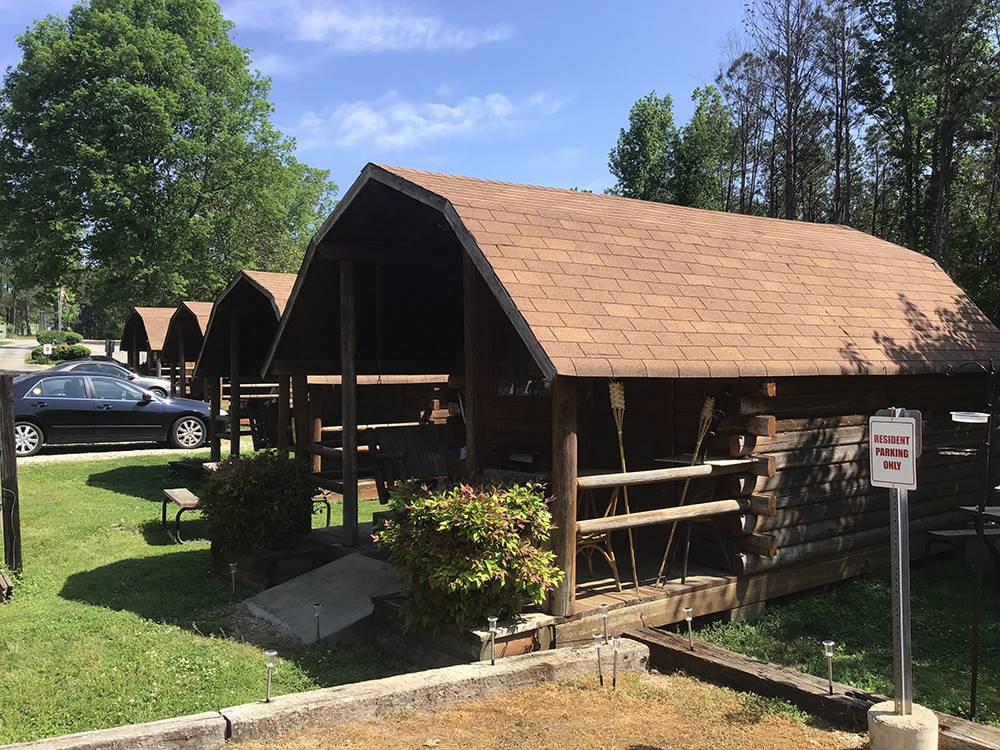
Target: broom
(616, 390)
(705, 420)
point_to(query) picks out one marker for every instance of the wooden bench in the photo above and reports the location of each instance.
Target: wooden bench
(180, 496)
(990, 536)
(187, 500)
(406, 453)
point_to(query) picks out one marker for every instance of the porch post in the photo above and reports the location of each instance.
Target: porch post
(180, 356)
(348, 406)
(478, 363)
(234, 386)
(316, 425)
(214, 384)
(159, 364)
(564, 476)
(283, 415)
(300, 412)
(173, 380)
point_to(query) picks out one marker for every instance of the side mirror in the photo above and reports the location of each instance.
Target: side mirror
(131, 376)
(147, 397)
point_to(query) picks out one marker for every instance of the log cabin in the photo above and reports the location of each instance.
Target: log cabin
(655, 365)
(145, 331)
(182, 342)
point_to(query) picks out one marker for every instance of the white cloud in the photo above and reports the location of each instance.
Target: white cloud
(361, 27)
(272, 64)
(392, 123)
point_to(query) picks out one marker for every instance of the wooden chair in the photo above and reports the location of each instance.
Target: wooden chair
(600, 541)
(407, 453)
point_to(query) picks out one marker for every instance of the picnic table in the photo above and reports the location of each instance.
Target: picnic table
(990, 533)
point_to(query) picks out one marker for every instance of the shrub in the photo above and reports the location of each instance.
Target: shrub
(467, 553)
(60, 353)
(258, 502)
(59, 337)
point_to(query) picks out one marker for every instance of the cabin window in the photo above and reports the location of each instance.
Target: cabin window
(517, 373)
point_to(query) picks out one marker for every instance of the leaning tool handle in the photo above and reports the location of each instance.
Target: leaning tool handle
(708, 422)
(616, 393)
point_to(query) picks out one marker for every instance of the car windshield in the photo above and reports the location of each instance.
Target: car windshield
(112, 389)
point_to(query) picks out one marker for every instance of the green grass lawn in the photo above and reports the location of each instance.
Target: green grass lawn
(112, 623)
(856, 614)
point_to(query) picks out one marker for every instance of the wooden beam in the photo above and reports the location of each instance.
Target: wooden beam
(564, 490)
(9, 497)
(381, 254)
(234, 386)
(761, 424)
(214, 385)
(661, 516)
(300, 413)
(182, 378)
(315, 427)
(284, 396)
(348, 404)
(478, 364)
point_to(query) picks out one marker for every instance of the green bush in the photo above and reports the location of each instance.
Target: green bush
(467, 553)
(60, 353)
(59, 337)
(257, 502)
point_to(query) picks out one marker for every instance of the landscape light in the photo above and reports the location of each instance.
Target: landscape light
(604, 621)
(828, 652)
(970, 417)
(269, 661)
(232, 576)
(615, 643)
(493, 640)
(598, 640)
(316, 608)
(688, 618)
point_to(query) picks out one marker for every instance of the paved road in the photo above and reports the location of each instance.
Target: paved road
(13, 352)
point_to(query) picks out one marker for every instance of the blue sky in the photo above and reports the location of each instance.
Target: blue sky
(522, 91)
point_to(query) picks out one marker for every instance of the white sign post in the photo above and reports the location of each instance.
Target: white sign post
(894, 446)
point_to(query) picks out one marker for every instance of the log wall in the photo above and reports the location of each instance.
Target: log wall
(823, 502)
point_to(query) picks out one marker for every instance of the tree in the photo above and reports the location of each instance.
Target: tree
(699, 161)
(785, 34)
(639, 159)
(136, 148)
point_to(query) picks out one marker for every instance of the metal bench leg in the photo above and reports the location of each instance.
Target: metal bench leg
(327, 513)
(163, 515)
(177, 526)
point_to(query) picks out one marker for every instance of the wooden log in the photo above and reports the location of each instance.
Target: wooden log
(759, 424)
(9, 496)
(348, 405)
(759, 544)
(660, 516)
(657, 476)
(747, 564)
(564, 488)
(315, 428)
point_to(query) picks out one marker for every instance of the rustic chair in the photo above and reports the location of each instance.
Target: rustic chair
(407, 453)
(600, 541)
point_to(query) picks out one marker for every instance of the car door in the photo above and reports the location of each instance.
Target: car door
(63, 407)
(123, 412)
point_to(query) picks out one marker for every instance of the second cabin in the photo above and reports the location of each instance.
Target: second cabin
(693, 386)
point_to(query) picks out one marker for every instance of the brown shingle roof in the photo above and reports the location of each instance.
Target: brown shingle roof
(202, 312)
(278, 285)
(155, 321)
(618, 287)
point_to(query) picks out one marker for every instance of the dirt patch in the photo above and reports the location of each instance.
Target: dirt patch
(647, 712)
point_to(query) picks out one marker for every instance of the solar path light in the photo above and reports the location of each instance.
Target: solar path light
(493, 639)
(615, 643)
(604, 621)
(269, 661)
(316, 608)
(828, 647)
(598, 640)
(688, 618)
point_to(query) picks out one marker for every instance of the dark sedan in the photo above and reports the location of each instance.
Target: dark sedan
(65, 408)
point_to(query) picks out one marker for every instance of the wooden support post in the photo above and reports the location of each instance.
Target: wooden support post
(234, 387)
(214, 385)
(173, 380)
(283, 413)
(300, 413)
(478, 364)
(315, 425)
(8, 478)
(182, 360)
(349, 405)
(159, 364)
(564, 479)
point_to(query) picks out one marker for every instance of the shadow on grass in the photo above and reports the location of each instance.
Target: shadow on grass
(146, 482)
(193, 528)
(179, 588)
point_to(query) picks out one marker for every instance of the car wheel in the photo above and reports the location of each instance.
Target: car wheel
(158, 392)
(188, 432)
(28, 439)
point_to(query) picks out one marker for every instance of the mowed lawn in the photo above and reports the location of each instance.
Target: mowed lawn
(112, 623)
(857, 615)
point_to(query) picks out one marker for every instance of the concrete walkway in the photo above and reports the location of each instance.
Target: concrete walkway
(344, 588)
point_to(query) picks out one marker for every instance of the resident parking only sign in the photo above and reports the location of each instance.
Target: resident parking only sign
(894, 448)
